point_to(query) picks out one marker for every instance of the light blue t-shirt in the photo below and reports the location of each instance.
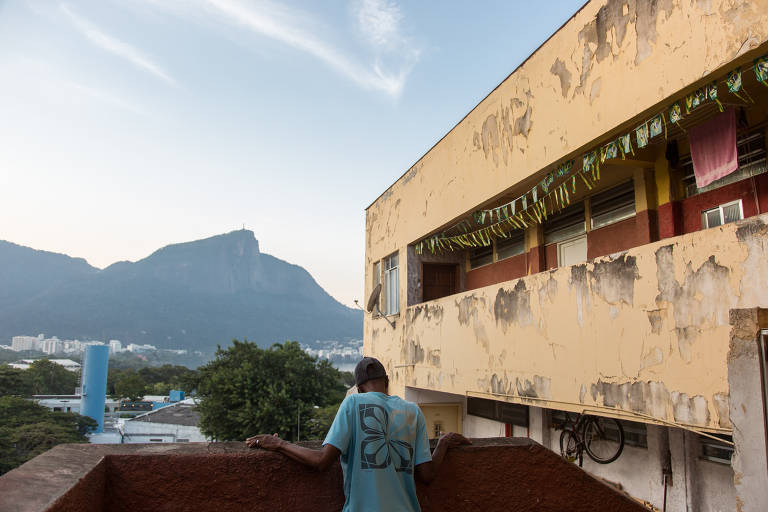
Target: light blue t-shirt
(381, 439)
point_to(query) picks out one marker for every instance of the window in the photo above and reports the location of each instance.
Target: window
(723, 214)
(480, 256)
(504, 412)
(751, 155)
(182, 440)
(392, 284)
(151, 440)
(567, 224)
(716, 451)
(376, 277)
(437, 431)
(512, 246)
(613, 205)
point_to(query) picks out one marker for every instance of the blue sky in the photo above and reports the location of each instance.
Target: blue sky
(126, 125)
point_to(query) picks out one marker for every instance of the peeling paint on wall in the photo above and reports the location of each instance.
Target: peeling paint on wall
(513, 307)
(468, 313)
(614, 279)
(559, 70)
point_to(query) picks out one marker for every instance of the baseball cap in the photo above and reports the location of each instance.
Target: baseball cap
(367, 369)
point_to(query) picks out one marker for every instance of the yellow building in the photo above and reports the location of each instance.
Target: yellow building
(591, 238)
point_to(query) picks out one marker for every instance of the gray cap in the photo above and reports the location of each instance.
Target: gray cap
(369, 368)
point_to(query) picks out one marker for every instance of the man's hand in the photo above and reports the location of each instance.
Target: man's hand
(428, 471)
(265, 441)
(452, 440)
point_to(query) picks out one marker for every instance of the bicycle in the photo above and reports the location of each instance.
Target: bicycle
(602, 439)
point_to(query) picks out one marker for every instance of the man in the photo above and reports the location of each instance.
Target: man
(382, 441)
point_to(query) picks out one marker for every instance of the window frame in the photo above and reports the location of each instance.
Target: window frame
(392, 300)
(512, 240)
(607, 197)
(705, 219)
(472, 256)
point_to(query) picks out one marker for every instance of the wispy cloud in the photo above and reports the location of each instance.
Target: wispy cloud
(378, 20)
(116, 47)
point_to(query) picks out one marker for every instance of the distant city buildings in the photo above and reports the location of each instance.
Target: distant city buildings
(54, 345)
(68, 364)
(342, 354)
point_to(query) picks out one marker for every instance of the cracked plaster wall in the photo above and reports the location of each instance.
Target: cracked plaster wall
(610, 62)
(646, 331)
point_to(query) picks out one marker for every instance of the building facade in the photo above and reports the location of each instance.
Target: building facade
(592, 238)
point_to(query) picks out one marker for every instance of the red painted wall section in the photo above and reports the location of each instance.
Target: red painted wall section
(670, 219)
(550, 256)
(504, 270)
(626, 234)
(761, 184)
(693, 206)
(536, 260)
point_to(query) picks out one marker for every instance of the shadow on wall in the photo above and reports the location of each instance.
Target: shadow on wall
(492, 474)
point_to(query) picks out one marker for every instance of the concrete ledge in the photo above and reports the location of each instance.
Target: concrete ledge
(492, 474)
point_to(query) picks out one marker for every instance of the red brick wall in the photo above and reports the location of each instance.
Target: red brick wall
(550, 256)
(623, 235)
(504, 270)
(692, 207)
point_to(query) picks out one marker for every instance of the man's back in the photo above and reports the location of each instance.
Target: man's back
(381, 439)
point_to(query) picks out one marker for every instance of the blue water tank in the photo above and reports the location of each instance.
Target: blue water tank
(94, 383)
(176, 396)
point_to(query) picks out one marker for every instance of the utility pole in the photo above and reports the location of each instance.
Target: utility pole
(298, 422)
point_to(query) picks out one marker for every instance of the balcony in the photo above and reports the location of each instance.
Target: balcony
(492, 474)
(643, 334)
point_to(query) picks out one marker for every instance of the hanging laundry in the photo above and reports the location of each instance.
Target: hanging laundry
(713, 148)
(641, 133)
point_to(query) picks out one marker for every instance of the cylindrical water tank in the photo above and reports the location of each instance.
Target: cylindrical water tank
(94, 383)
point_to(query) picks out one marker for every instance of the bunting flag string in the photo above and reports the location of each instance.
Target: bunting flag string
(547, 198)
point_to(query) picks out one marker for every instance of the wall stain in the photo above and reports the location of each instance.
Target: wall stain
(468, 313)
(413, 352)
(524, 123)
(693, 410)
(704, 297)
(433, 357)
(656, 320)
(646, 397)
(559, 70)
(490, 138)
(513, 307)
(721, 401)
(578, 282)
(614, 280)
(539, 388)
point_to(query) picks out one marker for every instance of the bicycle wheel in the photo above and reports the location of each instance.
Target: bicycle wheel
(569, 445)
(603, 439)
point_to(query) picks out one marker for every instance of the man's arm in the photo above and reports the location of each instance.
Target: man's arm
(427, 472)
(318, 459)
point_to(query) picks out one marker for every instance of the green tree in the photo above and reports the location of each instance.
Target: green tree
(49, 378)
(28, 429)
(247, 390)
(15, 382)
(130, 385)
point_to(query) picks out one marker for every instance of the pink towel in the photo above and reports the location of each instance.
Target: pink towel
(713, 148)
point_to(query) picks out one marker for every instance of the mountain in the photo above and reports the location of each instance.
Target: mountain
(192, 295)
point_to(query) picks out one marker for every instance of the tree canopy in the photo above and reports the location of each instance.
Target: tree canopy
(28, 429)
(248, 390)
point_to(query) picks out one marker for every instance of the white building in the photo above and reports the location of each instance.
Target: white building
(115, 346)
(20, 343)
(134, 348)
(52, 345)
(68, 364)
(172, 424)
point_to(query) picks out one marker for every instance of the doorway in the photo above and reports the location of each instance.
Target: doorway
(438, 280)
(441, 418)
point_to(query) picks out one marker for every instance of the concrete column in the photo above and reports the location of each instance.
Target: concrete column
(747, 410)
(538, 425)
(534, 246)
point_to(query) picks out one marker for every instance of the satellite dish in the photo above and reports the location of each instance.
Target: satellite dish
(373, 300)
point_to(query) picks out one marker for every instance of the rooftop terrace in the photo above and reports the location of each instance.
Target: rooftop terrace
(492, 474)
